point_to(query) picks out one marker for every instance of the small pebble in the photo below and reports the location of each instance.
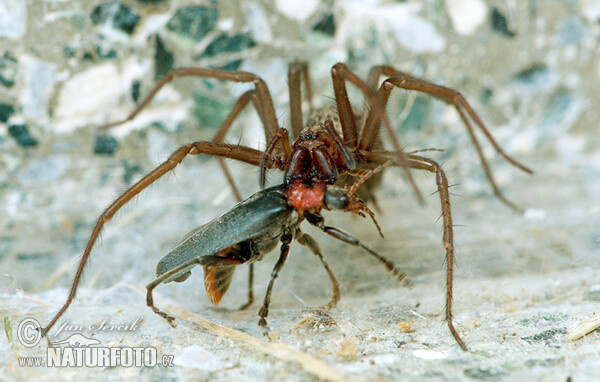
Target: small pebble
(105, 145)
(21, 134)
(193, 22)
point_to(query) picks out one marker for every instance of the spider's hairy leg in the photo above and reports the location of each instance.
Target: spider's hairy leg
(240, 104)
(282, 135)
(422, 163)
(267, 110)
(340, 73)
(260, 97)
(452, 97)
(241, 153)
(296, 72)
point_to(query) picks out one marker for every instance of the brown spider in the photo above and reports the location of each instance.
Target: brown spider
(336, 145)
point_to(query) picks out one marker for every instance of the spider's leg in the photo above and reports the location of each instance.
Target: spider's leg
(422, 163)
(260, 96)
(372, 124)
(241, 103)
(451, 97)
(297, 71)
(340, 73)
(309, 242)
(282, 135)
(241, 153)
(266, 110)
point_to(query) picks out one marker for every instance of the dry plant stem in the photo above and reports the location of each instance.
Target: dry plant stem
(277, 349)
(240, 153)
(585, 328)
(422, 163)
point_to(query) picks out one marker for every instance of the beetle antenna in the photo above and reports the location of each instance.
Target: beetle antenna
(372, 215)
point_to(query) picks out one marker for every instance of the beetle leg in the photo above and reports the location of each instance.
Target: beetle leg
(310, 243)
(161, 279)
(250, 288)
(318, 221)
(286, 239)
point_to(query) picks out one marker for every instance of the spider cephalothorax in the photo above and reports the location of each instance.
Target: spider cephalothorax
(318, 157)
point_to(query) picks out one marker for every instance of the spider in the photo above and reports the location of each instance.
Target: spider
(336, 145)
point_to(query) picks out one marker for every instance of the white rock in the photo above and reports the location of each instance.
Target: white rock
(535, 214)
(194, 357)
(13, 17)
(466, 15)
(40, 77)
(258, 22)
(393, 21)
(298, 10)
(95, 96)
(590, 10)
(430, 354)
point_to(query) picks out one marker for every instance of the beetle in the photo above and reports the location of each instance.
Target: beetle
(253, 228)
